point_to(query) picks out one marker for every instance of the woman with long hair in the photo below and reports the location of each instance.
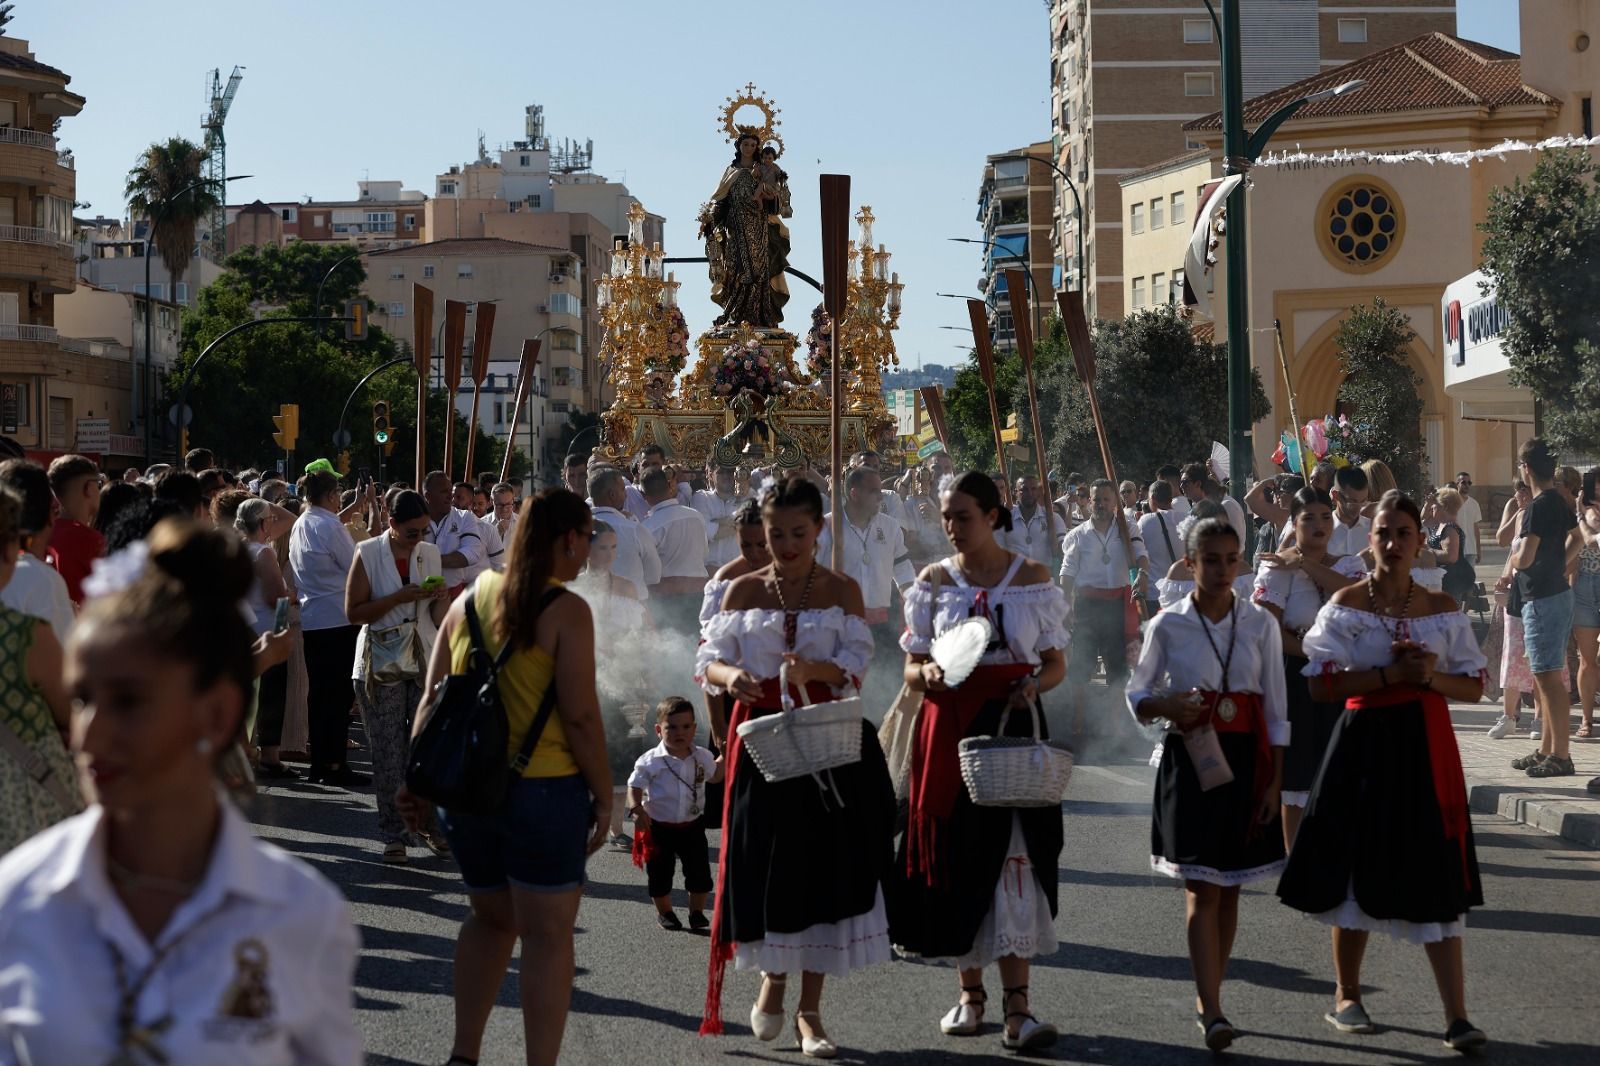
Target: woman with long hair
(260, 523)
(1586, 600)
(973, 885)
(523, 865)
(154, 926)
(1293, 585)
(387, 594)
(799, 878)
(1380, 482)
(1214, 660)
(34, 708)
(1386, 841)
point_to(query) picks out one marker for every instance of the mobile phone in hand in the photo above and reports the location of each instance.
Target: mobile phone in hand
(280, 617)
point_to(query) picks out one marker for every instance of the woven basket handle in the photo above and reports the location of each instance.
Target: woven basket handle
(783, 683)
(1005, 716)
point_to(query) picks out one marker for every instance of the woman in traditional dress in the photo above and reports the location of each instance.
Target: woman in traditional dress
(1214, 660)
(799, 880)
(977, 885)
(1293, 585)
(1386, 842)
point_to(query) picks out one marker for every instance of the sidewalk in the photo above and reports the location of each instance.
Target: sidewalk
(1558, 805)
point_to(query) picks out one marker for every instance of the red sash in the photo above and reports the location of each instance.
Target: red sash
(721, 944)
(935, 781)
(1444, 757)
(1248, 719)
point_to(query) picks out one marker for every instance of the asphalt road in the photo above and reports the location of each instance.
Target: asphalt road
(1119, 986)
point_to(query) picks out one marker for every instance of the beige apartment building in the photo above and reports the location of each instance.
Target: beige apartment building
(1160, 204)
(1015, 210)
(1127, 74)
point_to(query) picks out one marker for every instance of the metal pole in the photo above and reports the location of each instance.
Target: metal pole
(348, 400)
(317, 310)
(1240, 445)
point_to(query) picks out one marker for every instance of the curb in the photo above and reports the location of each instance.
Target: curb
(1578, 823)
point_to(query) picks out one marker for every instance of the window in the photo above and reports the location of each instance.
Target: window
(1136, 218)
(464, 270)
(564, 340)
(447, 188)
(1175, 216)
(1158, 290)
(535, 200)
(397, 309)
(1352, 31)
(524, 160)
(1362, 225)
(182, 291)
(560, 407)
(1158, 213)
(24, 406)
(427, 271)
(1196, 31)
(290, 214)
(1138, 293)
(1588, 116)
(499, 413)
(1177, 285)
(1200, 84)
(564, 303)
(397, 273)
(411, 222)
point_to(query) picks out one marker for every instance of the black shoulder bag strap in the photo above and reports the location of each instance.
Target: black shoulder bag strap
(1166, 535)
(546, 705)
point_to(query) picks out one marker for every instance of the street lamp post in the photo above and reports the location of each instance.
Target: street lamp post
(156, 214)
(1077, 203)
(317, 310)
(1027, 274)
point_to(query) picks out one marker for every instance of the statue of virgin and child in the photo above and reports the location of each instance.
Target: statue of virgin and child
(747, 242)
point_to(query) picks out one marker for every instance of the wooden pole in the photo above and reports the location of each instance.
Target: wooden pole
(530, 359)
(1018, 289)
(978, 313)
(1294, 417)
(455, 338)
(483, 334)
(933, 404)
(834, 201)
(422, 351)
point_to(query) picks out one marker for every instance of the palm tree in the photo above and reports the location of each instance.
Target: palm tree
(166, 170)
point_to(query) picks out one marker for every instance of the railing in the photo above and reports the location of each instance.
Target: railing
(99, 349)
(65, 159)
(15, 331)
(31, 235)
(32, 138)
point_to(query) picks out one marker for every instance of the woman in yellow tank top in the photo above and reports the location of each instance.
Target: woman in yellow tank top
(523, 864)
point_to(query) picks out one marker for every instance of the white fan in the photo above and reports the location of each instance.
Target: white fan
(958, 649)
(1219, 462)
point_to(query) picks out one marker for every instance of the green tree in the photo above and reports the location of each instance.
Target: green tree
(5, 17)
(1380, 390)
(164, 182)
(1542, 257)
(966, 410)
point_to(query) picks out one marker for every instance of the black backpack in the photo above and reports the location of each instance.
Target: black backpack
(459, 761)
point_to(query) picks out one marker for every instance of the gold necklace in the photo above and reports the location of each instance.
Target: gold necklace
(135, 881)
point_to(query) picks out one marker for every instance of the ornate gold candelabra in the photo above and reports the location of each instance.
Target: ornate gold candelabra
(873, 301)
(635, 302)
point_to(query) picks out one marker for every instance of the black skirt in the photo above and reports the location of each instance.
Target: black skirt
(1212, 836)
(796, 859)
(1311, 724)
(1372, 827)
(942, 922)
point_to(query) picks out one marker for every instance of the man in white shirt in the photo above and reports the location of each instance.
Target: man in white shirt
(493, 544)
(679, 534)
(637, 559)
(1094, 575)
(505, 509)
(892, 504)
(575, 475)
(1159, 531)
(35, 588)
(654, 457)
(1174, 479)
(875, 554)
(1197, 484)
(456, 533)
(1351, 529)
(1469, 516)
(1030, 524)
(716, 505)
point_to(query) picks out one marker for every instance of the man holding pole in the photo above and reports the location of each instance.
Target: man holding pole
(1095, 565)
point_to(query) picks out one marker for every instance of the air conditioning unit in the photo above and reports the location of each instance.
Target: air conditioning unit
(544, 309)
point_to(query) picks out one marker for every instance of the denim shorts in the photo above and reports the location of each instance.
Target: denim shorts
(1546, 628)
(1586, 601)
(537, 840)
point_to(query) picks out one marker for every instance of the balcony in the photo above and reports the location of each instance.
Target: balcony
(28, 253)
(28, 157)
(27, 349)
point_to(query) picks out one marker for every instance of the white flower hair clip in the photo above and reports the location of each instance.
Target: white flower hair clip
(116, 571)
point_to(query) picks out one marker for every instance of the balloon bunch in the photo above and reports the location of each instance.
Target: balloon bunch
(1326, 439)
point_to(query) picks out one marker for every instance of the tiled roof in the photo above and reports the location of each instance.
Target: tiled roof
(9, 61)
(1431, 72)
(257, 208)
(472, 246)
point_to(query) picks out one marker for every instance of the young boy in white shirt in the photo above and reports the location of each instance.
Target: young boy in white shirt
(667, 795)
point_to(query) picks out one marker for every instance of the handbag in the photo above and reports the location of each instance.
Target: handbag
(459, 761)
(394, 654)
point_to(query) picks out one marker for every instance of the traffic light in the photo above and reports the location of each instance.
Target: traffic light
(355, 320)
(288, 422)
(380, 422)
(344, 461)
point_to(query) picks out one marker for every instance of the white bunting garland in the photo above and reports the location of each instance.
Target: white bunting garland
(1348, 157)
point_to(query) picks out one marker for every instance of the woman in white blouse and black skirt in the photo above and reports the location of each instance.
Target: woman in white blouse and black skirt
(1214, 659)
(977, 885)
(1386, 842)
(799, 878)
(1293, 585)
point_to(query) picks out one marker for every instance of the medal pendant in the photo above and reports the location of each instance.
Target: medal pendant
(1226, 709)
(694, 810)
(1105, 556)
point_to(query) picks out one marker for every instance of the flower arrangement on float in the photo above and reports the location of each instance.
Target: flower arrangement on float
(1326, 439)
(675, 356)
(750, 367)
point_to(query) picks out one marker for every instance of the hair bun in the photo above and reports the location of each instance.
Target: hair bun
(208, 564)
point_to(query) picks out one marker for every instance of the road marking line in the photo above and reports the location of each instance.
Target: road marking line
(1118, 778)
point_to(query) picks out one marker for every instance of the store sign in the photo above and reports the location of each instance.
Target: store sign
(1468, 324)
(10, 407)
(94, 435)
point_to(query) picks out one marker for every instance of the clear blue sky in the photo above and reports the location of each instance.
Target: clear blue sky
(906, 96)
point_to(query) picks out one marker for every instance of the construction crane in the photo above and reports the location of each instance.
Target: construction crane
(219, 99)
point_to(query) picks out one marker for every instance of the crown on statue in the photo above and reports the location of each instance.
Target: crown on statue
(767, 133)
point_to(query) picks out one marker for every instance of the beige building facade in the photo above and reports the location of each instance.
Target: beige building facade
(1159, 208)
(1127, 74)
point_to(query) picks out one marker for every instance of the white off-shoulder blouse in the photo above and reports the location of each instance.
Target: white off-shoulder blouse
(1176, 657)
(1033, 617)
(1294, 592)
(753, 639)
(1346, 638)
(712, 602)
(1170, 591)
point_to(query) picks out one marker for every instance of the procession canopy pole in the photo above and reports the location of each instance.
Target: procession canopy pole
(1288, 387)
(422, 351)
(1018, 288)
(835, 205)
(455, 338)
(933, 404)
(483, 333)
(1078, 336)
(530, 359)
(978, 311)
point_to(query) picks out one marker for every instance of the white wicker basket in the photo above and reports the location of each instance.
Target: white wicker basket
(1003, 771)
(804, 740)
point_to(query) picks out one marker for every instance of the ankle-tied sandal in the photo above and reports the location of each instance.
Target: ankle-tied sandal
(966, 1017)
(1032, 1033)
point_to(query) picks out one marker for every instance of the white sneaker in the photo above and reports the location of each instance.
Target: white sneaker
(1503, 727)
(1533, 730)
